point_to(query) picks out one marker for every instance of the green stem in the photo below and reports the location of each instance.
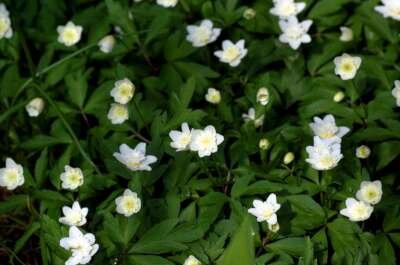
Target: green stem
(48, 68)
(68, 127)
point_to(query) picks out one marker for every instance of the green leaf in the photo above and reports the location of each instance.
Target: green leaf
(240, 250)
(148, 260)
(77, 86)
(29, 231)
(386, 152)
(13, 203)
(41, 167)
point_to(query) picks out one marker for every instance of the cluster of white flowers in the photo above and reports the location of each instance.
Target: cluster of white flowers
(266, 211)
(135, 159)
(396, 92)
(122, 93)
(390, 8)
(294, 32)
(12, 175)
(82, 246)
(5, 23)
(346, 66)
(325, 154)
(360, 209)
(205, 142)
(251, 116)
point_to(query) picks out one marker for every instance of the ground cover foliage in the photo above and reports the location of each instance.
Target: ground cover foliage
(193, 203)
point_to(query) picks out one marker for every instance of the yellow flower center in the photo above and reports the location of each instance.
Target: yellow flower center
(347, 67)
(267, 213)
(135, 163)
(206, 141)
(74, 178)
(231, 53)
(120, 111)
(184, 140)
(11, 176)
(129, 204)
(288, 9)
(70, 35)
(125, 90)
(203, 34)
(4, 25)
(327, 161)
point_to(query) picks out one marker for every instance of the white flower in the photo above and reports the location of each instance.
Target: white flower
(339, 96)
(288, 158)
(70, 34)
(213, 96)
(118, 113)
(266, 211)
(251, 116)
(5, 23)
(75, 216)
(192, 260)
(205, 142)
(346, 66)
(202, 35)
(71, 178)
(263, 96)
(263, 144)
(357, 210)
(274, 228)
(363, 152)
(129, 203)
(347, 34)
(12, 175)
(167, 3)
(135, 159)
(390, 8)
(35, 107)
(231, 53)
(286, 8)
(249, 13)
(294, 32)
(326, 128)
(107, 43)
(324, 154)
(370, 192)
(82, 246)
(396, 92)
(181, 140)
(123, 91)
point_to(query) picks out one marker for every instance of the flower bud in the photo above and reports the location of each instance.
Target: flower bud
(274, 228)
(249, 13)
(347, 34)
(289, 157)
(363, 152)
(35, 107)
(263, 96)
(339, 96)
(213, 96)
(263, 144)
(107, 43)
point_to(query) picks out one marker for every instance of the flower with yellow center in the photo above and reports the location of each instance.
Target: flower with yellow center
(11, 176)
(128, 204)
(123, 91)
(390, 8)
(286, 8)
(192, 260)
(118, 113)
(266, 210)
(326, 128)
(213, 96)
(205, 142)
(294, 32)
(181, 139)
(324, 154)
(263, 144)
(70, 34)
(71, 178)
(232, 53)
(346, 66)
(5, 23)
(203, 34)
(363, 152)
(370, 192)
(74, 215)
(357, 211)
(135, 159)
